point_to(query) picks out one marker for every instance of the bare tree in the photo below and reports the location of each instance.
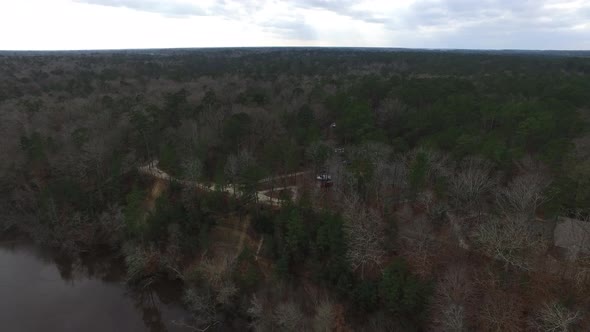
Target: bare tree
(146, 265)
(259, 318)
(211, 123)
(470, 183)
(365, 233)
(318, 153)
(110, 225)
(383, 183)
(554, 317)
(523, 195)
(191, 169)
(345, 182)
(189, 132)
(202, 308)
(423, 167)
(500, 311)
(399, 174)
(324, 316)
(420, 251)
(436, 209)
(453, 318)
(288, 317)
(510, 240)
(226, 293)
(438, 163)
(235, 166)
(268, 126)
(371, 152)
(217, 275)
(232, 170)
(450, 300)
(389, 110)
(216, 272)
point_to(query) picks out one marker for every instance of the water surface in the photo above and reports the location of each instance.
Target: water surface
(40, 291)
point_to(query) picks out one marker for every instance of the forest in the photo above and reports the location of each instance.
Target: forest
(313, 189)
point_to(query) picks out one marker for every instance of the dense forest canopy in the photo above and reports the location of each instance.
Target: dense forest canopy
(448, 172)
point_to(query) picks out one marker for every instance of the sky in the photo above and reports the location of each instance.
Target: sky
(129, 24)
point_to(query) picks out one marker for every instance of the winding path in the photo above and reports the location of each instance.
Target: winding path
(262, 197)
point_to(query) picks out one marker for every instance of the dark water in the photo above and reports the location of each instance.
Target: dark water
(42, 292)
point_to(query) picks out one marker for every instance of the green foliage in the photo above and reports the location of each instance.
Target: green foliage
(80, 137)
(34, 146)
(247, 274)
(302, 236)
(113, 187)
(175, 107)
(134, 212)
(67, 191)
(61, 196)
(191, 168)
(253, 96)
(248, 180)
(281, 157)
(215, 201)
(304, 126)
(373, 89)
(282, 266)
(145, 127)
(570, 191)
(236, 129)
(164, 214)
(210, 100)
(365, 295)
(499, 107)
(356, 123)
(419, 171)
(295, 235)
(318, 153)
(263, 222)
(330, 240)
(32, 105)
(168, 159)
(402, 292)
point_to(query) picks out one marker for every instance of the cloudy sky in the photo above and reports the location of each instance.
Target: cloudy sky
(115, 24)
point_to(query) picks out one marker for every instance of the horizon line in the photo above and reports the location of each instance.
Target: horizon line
(289, 47)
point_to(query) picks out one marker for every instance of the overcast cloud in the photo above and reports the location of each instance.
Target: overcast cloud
(488, 24)
(172, 8)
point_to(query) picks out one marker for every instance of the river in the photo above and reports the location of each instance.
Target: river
(41, 291)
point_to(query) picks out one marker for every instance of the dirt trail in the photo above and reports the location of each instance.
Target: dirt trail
(243, 235)
(153, 170)
(259, 247)
(230, 237)
(293, 189)
(150, 201)
(155, 192)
